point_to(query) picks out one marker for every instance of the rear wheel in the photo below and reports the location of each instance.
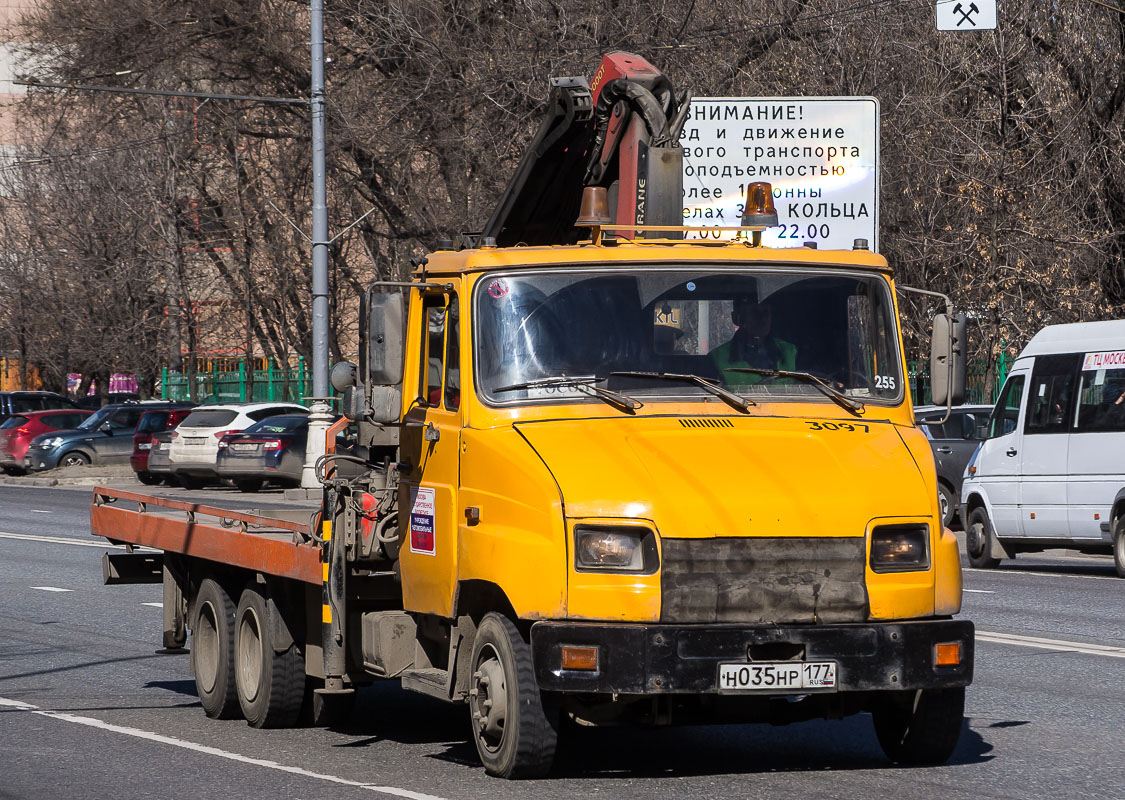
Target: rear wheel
(1119, 546)
(978, 540)
(947, 504)
(250, 485)
(212, 650)
(74, 459)
(271, 685)
(149, 479)
(514, 734)
(920, 727)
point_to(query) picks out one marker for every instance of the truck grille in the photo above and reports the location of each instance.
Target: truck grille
(764, 579)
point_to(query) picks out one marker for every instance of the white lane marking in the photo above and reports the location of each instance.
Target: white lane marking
(154, 605)
(50, 589)
(1044, 573)
(31, 537)
(39, 511)
(394, 791)
(980, 591)
(1051, 644)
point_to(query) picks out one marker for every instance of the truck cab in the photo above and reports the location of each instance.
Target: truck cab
(660, 480)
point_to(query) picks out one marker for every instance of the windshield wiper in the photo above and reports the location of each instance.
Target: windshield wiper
(739, 402)
(584, 385)
(855, 406)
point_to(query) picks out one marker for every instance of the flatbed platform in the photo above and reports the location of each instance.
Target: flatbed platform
(270, 545)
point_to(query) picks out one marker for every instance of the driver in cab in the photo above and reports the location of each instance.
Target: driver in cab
(752, 345)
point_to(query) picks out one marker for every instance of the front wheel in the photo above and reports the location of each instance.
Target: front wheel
(978, 540)
(74, 459)
(514, 734)
(1119, 546)
(920, 727)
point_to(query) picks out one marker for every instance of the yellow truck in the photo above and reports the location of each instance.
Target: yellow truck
(616, 480)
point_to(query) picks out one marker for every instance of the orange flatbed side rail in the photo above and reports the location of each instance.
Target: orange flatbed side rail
(232, 546)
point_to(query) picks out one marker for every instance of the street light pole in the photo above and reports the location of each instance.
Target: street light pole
(320, 418)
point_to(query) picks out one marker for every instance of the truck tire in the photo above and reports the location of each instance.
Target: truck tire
(271, 685)
(514, 734)
(1119, 546)
(920, 727)
(978, 540)
(212, 650)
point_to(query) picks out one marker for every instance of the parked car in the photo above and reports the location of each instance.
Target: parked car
(953, 443)
(17, 431)
(19, 402)
(151, 422)
(195, 442)
(1051, 471)
(272, 450)
(105, 437)
(158, 464)
(94, 401)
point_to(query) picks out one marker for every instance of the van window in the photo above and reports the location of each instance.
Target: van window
(1052, 389)
(1101, 400)
(1006, 415)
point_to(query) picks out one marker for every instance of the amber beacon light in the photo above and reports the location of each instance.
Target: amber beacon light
(760, 212)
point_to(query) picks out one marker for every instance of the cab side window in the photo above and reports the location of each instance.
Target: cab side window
(433, 352)
(453, 357)
(1006, 415)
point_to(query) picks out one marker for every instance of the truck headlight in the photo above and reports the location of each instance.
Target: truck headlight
(624, 548)
(900, 548)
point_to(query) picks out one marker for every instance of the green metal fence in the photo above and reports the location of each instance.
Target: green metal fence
(981, 387)
(288, 384)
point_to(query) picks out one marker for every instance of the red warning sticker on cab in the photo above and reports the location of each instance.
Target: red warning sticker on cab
(422, 538)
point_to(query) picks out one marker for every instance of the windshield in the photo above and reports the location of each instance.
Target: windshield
(710, 323)
(279, 425)
(97, 418)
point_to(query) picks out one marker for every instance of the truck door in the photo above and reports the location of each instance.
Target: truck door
(998, 462)
(1046, 442)
(431, 438)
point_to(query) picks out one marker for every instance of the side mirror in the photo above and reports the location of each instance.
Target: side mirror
(105, 428)
(354, 404)
(386, 332)
(947, 360)
(343, 376)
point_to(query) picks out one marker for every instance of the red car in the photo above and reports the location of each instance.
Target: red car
(161, 419)
(17, 431)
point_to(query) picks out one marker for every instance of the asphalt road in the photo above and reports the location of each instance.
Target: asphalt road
(89, 710)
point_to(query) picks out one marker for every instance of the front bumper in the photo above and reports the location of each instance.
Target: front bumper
(685, 659)
(40, 458)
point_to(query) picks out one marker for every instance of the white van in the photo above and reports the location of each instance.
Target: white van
(1051, 470)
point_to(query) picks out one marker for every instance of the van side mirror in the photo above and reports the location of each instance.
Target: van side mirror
(947, 360)
(386, 332)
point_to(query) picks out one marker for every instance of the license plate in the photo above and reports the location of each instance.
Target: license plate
(161, 446)
(779, 676)
(193, 440)
(242, 448)
(144, 446)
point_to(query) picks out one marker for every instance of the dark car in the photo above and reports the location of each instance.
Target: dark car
(152, 422)
(159, 464)
(270, 450)
(953, 443)
(17, 431)
(94, 401)
(18, 402)
(106, 437)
